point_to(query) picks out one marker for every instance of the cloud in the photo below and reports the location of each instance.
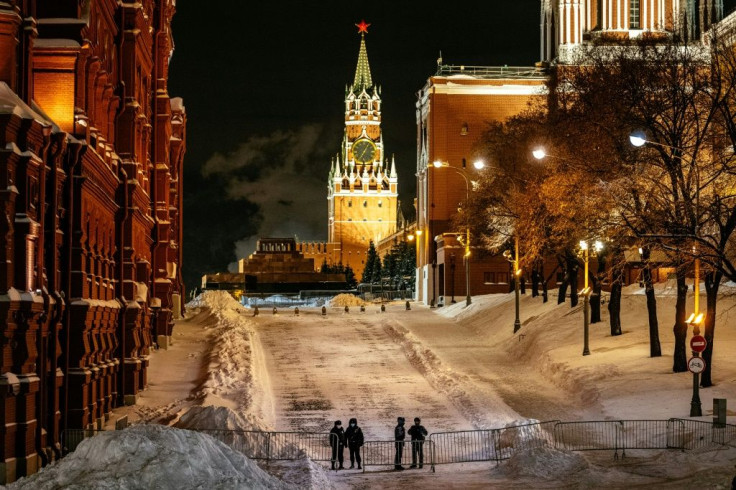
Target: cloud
(285, 174)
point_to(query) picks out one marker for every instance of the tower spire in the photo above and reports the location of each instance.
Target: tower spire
(363, 78)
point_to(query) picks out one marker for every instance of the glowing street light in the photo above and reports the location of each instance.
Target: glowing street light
(585, 252)
(478, 164)
(539, 153)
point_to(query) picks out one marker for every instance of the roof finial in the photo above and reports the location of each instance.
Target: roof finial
(363, 78)
(393, 166)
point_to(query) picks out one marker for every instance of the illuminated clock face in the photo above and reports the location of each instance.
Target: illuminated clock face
(364, 151)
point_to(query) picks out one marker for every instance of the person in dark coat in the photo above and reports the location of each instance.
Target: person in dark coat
(417, 433)
(354, 438)
(337, 441)
(399, 436)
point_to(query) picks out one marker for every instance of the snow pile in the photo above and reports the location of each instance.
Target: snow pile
(346, 300)
(301, 473)
(522, 434)
(235, 373)
(546, 463)
(151, 456)
(217, 301)
(223, 418)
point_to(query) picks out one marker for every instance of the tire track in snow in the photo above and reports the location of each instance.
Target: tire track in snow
(458, 388)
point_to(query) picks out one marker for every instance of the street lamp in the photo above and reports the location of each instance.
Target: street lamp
(586, 253)
(517, 274)
(478, 164)
(452, 275)
(695, 319)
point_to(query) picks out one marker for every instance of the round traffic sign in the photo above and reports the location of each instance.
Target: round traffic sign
(696, 365)
(698, 343)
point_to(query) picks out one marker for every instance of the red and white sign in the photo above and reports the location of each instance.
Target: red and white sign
(696, 365)
(698, 343)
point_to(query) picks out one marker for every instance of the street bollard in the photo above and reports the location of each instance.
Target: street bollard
(362, 308)
(324, 311)
(255, 310)
(383, 308)
(408, 306)
(296, 311)
(274, 310)
(347, 310)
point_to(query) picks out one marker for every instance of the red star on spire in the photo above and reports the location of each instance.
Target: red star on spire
(362, 27)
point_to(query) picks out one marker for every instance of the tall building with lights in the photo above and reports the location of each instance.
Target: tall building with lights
(362, 196)
(566, 25)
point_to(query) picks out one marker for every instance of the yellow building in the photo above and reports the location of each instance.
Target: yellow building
(362, 198)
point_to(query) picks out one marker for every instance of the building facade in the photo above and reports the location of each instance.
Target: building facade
(452, 111)
(91, 149)
(362, 200)
(566, 25)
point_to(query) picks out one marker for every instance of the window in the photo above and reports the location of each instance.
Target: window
(350, 204)
(365, 204)
(464, 162)
(634, 17)
(502, 277)
(380, 204)
(489, 277)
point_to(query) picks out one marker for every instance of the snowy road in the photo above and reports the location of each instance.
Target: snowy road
(400, 363)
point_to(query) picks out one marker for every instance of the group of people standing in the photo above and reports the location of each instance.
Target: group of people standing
(417, 432)
(352, 437)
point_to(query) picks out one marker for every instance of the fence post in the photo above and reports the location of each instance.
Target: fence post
(268, 447)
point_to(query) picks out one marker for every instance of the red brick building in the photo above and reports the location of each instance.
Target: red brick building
(91, 149)
(453, 109)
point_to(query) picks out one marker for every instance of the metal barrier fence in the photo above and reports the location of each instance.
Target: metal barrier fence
(71, 438)
(383, 453)
(618, 435)
(275, 445)
(475, 445)
(699, 434)
(489, 444)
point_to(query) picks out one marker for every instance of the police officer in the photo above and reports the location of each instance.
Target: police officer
(399, 436)
(337, 441)
(417, 433)
(354, 438)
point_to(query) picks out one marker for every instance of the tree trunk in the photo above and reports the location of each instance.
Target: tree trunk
(595, 298)
(614, 302)
(565, 280)
(680, 328)
(535, 282)
(712, 284)
(522, 283)
(655, 349)
(545, 281)
(614, 309)
(572, 271)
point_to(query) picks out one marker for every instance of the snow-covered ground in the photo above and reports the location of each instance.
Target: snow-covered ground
(456, 367)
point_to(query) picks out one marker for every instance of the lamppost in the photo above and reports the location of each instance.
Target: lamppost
(478, 164)
(517, 274)
(586, 254)
(695, 364)
(695, 319)
(418, 235)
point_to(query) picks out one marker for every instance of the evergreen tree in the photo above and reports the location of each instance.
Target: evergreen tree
(370, 264)
(350, 277)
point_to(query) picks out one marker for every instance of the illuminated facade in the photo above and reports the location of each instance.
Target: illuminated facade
(91, 151)
(568, 24)
(452, 110)
(362, 198)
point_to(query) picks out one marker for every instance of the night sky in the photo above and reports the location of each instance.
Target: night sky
(263, 85)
